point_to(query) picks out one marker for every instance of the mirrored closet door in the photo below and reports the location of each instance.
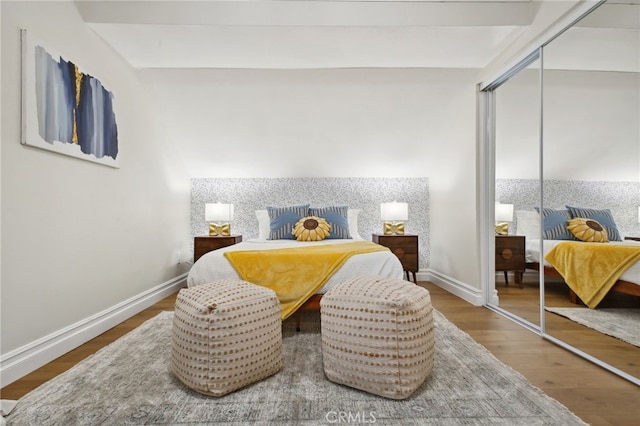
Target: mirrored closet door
(591, 114)
(562, 128)
(517, 190)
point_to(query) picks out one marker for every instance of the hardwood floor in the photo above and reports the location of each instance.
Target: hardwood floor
(592, 393)
(525, 302)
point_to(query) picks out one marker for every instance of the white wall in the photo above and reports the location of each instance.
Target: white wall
(337, 123)
(591, 126)
(79, 238)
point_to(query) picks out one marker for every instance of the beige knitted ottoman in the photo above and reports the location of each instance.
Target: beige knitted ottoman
(377, 335)
(226, 335)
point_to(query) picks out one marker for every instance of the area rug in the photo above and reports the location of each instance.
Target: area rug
(623, 324)
(129, 382)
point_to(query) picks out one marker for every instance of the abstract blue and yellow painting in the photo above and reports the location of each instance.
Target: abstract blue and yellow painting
(65, 109)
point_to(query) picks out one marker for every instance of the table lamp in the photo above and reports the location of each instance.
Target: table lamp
(394, 214)
(504, 214)
(219, 215)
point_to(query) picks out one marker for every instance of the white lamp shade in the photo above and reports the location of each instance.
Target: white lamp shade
(214, 212)
(504, 212)
(394, 211)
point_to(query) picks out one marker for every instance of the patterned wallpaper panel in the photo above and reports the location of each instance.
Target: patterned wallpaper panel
(622, 198)
(251, 194)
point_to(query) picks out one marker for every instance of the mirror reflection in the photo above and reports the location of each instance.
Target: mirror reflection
(591, 107)
(586, 186)
(517, 191)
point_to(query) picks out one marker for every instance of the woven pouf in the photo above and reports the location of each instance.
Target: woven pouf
(377, 335)
(226, 335)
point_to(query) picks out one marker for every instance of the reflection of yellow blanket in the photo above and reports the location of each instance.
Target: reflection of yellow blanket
(295, 273)
(591, 269)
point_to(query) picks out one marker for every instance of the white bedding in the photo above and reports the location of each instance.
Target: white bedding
(213, 265)
(631, 275)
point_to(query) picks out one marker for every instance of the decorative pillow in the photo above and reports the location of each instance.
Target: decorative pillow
(603, 217)
(283, 219)
(528, 224)
(554, 224)
(352, 218)
(337, 217)
(588, 230)
(311, 228)
(263, 224)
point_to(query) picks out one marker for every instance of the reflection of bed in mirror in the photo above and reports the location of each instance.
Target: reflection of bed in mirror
(627, 283)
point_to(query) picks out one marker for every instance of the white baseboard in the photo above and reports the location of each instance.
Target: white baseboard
(460, 289)
(24, 360)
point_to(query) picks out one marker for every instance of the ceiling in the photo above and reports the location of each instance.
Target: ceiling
(309, 33)
(301, 34)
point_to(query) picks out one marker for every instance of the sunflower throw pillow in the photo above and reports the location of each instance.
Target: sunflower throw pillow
(587, 230)
(311, 228)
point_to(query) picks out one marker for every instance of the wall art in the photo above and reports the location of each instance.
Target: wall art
(65, 109)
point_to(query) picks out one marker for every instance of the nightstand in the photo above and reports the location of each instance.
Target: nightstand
(510, 256)
(205, 244)
(405, 247)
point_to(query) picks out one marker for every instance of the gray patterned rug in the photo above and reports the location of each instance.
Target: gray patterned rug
(623, 324)
(129, 382)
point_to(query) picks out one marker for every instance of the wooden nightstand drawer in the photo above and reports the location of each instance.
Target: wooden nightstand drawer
(204, 244)
(405, 247)
(510, 255)
(510, 252)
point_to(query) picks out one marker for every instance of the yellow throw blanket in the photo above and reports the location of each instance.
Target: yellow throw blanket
(296, 273)
(591, 269)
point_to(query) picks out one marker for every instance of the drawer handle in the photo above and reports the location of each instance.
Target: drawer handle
(506, 254)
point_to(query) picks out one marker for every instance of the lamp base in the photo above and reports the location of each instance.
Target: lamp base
(502, 228)
(391, 228)
(222, 230)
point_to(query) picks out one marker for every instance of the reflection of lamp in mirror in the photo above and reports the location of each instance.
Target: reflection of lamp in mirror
(218, 215)
(394, 214)
(504, 214)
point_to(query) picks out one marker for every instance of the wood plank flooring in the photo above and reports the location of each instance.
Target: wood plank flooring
(592, 393)
(525, 303)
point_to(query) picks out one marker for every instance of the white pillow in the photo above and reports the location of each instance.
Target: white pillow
(352, 220)
(528, 224)
(264, 224)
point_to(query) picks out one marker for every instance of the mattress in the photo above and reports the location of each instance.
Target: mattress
(214, 266)
(631, 275)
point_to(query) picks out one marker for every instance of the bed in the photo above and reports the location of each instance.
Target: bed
(628, 283)
(374, 260)
(582, 251)
(214, 265)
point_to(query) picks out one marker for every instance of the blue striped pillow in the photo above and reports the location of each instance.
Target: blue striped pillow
(283, 219)
(336, 216)
(554, 224)
(603, 217)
